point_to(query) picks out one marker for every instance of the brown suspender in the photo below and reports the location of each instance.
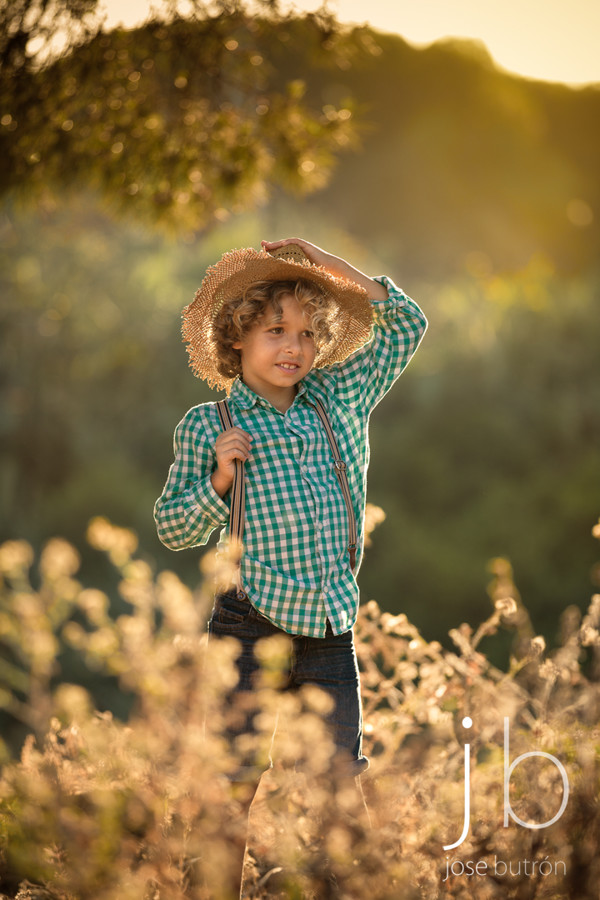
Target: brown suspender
(340, 471)
(236, 526)
(238, 491)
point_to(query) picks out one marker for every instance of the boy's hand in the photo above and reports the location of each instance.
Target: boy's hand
(230, 445)
(316, 255)
(333, 264)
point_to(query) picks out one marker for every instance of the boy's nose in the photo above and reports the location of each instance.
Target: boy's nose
(293, 345)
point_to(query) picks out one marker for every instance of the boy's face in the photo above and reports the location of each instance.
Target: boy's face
(279, 350)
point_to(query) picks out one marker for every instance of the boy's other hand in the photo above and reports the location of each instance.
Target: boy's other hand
(230, 445)
(334, 264)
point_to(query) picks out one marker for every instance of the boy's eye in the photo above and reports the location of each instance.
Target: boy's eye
(278, 329)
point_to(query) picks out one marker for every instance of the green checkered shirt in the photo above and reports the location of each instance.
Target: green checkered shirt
(295, 567)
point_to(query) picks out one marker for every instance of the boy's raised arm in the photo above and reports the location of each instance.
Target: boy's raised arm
(398, 326)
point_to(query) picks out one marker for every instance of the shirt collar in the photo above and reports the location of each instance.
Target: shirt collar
(245, 398)
(313, 387)
(241, 395)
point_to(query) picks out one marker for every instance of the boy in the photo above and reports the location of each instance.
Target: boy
(305, 345)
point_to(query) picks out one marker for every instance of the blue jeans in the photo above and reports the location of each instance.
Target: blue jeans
(328, 662)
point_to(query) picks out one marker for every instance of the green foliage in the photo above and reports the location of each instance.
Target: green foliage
(179, 121)
(489, 447)
(30, 29)
(97, 807)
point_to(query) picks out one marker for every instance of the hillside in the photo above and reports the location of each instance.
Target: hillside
(459, 157)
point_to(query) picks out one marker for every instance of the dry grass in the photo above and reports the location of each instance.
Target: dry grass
(99, 808)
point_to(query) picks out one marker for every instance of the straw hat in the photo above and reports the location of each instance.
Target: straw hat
(349, 323)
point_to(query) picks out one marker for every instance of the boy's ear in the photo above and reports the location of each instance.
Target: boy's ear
(237, 345)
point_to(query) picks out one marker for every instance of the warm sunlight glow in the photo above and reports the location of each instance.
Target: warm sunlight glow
(556, 41)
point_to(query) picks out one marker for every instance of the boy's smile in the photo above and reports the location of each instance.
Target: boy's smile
(278, 351)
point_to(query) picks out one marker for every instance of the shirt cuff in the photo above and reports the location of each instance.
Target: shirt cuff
(208, 501)
(382, 309)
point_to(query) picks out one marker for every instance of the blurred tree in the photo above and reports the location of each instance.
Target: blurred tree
(181, 119)
(32, 30)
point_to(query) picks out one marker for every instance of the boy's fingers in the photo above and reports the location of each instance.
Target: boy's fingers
(235, 443)
(233, 447)
(272, 245)
(315, 254)
(233, 434)
(239, 448)
(235, 440)
(235, 430)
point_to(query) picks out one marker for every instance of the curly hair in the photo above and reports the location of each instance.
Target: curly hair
(238, 315)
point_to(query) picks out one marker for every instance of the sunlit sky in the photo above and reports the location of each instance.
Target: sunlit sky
(553, 40)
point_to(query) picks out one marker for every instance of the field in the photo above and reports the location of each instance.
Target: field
(99, 807)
